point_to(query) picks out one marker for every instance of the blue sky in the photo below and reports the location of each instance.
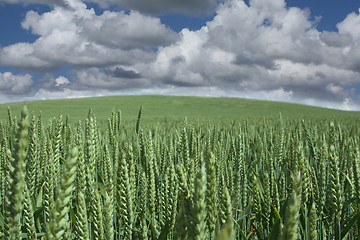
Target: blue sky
(299, 51)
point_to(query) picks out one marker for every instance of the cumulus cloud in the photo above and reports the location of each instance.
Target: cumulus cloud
(265, 50)
(61, 81)
(334, 39)
(262, 50)
(110, 79)
(75, 35)
(350, 26)
(15, 84)
(15, 87)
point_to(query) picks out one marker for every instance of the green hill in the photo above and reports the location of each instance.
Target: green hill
(247, 175)
(161, 108)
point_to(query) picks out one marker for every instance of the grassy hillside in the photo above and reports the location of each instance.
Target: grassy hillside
(229, 173)
(161, 108)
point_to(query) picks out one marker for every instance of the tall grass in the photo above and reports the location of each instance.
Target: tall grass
(252, 179)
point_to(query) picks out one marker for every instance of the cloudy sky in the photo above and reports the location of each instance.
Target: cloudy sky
(301, 51)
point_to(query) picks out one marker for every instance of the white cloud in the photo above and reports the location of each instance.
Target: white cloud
(15, 84)
(15, 87)
(351, 26)
(61, 81)
(264, 50)
(275, 95)
(95, 78)
(177, 64)
(334, 39)
(349, 105)
(44, 94)
(127, 31)
(75, 35)
(351, 53)
(261, 50)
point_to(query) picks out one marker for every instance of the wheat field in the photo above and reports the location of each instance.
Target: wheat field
(255, 178)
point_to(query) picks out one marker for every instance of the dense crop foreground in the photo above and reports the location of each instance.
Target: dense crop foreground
(246, 179)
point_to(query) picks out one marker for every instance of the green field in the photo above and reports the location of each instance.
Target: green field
(161, 108)
(181, 168)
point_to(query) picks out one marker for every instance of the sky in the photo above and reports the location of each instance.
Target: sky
(300, 51)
